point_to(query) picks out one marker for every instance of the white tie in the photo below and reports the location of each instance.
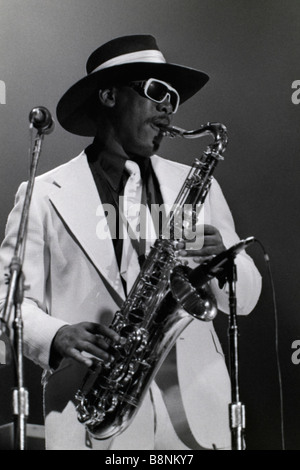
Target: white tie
(130, 267)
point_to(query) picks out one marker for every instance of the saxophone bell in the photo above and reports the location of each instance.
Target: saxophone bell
(197, 301)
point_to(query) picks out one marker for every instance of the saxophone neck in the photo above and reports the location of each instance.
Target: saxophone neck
(217, 130)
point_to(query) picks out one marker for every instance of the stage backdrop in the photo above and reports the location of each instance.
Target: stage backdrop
(251, 52)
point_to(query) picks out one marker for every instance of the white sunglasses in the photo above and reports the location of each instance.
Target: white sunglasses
(157, 91)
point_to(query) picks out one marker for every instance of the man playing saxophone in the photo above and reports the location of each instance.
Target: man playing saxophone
(78, 279)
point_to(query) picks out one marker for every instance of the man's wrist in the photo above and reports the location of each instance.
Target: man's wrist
(55, 357)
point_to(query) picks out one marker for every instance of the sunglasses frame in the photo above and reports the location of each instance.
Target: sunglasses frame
(143, 85)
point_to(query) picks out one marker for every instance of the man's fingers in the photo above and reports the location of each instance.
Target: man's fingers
(97, 352)
(209, 229)
(206, 251)
(75, 354)
(202, 259)
(97, 329)
(92, 338)
(99, 341)
(211, 240)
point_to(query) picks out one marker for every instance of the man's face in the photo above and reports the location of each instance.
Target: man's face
(137, 121)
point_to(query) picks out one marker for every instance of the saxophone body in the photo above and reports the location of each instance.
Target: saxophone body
(160, 305)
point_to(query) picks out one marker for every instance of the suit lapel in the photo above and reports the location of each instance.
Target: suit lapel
(76, 199)
(171, 176)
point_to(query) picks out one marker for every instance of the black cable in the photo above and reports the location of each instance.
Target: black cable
(268, 264)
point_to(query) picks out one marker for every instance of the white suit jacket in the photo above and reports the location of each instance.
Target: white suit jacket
(73, 277)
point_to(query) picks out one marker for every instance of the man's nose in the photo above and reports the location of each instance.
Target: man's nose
(166, 105)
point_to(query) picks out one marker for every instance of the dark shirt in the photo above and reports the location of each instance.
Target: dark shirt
(110, 176)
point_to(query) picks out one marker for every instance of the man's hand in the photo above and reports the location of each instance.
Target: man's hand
(213, 245)
(71, 340)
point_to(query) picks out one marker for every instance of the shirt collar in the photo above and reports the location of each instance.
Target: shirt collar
(112, 164)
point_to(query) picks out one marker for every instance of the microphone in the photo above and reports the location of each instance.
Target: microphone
(41, 119)
(205, 272)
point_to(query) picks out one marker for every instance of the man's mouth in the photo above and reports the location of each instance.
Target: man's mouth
(160, 123)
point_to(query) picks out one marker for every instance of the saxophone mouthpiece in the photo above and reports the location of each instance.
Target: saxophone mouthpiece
(172, 131)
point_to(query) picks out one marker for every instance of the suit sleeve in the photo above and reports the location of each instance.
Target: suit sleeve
(39, 327)
(249, 283)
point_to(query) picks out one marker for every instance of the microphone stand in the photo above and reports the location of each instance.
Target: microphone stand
(14, 299)
(223, 267)
(236, 407)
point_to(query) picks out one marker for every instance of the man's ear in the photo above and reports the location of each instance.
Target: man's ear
(107, 97)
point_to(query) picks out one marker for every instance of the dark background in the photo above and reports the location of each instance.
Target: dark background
(251, 52)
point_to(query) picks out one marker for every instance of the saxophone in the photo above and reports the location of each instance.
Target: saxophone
(160, 305)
